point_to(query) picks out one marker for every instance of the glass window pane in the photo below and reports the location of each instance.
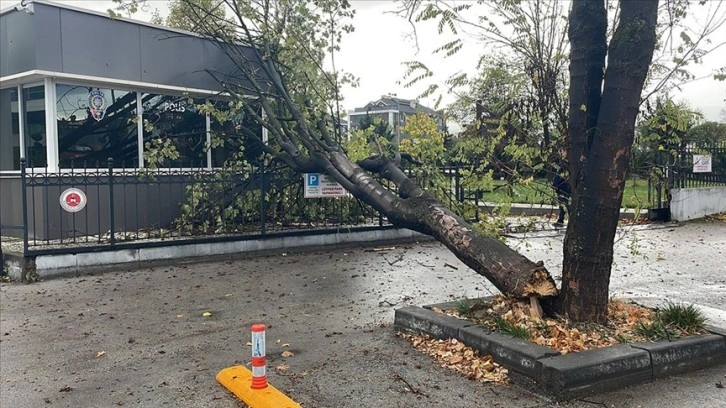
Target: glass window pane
(95, 124)
(34, 124)
(9, 130)
(174, 124)
(235, 139)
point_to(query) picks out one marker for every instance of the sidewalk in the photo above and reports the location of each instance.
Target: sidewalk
(548, 210)
(138, 338)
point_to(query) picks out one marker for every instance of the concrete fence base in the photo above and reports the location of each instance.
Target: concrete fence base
(692, 203)
(43, 266)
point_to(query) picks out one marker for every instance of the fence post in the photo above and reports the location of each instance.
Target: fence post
(263, 209)
(460, 190)
(24, 198)
(477, 197)
(111, 200)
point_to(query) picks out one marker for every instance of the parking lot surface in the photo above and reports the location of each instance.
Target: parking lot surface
(139, 338)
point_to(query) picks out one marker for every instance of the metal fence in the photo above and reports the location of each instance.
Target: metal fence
(134, 208)
(675, 169)
(684, 174)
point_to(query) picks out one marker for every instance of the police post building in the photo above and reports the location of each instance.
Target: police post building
(83, 94)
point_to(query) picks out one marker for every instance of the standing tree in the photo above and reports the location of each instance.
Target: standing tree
(603, 105)
(707, 134)
(531, 42)
(604, 102)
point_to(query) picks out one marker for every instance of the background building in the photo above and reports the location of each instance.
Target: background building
(393, 111)
(78, 88)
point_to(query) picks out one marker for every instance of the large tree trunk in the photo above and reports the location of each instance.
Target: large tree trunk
(415, 209)
(601, 130)
(512, 273)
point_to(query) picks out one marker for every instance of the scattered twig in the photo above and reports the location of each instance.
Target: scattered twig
(424, 265)
(593, 402)
(400, 258)
(384, 302)
(451, 266)
(380, 249)
(398, 377)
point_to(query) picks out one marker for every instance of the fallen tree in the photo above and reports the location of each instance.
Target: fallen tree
(278, 49)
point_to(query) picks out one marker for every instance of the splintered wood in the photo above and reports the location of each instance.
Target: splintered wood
(535, 310)
(541, 284)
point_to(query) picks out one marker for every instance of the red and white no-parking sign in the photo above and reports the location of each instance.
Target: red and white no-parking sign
(73, 200)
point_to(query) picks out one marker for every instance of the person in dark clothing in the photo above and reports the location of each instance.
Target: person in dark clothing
(563, 192)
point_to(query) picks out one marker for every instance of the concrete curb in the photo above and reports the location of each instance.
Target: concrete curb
(436, 325)
(571, 375)
(172, 252)
(690, 354)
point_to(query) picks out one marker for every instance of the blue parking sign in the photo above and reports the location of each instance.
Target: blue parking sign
(313, 180)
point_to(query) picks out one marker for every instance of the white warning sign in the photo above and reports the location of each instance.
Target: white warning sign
(319, 185)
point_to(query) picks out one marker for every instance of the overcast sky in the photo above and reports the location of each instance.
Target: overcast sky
(382, 41)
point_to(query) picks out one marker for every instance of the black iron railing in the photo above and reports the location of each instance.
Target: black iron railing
(677, 169)
(684, 174)
(133, 208)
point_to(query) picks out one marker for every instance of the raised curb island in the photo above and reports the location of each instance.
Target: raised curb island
(576, 374)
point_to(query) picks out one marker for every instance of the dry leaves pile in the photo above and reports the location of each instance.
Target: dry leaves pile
(454, 355)
(555, 333)
(559, 333)
(634, 221)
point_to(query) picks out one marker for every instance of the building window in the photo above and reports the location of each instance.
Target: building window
(95, 124)
(175, 120)
(34, 126)
(9, 130)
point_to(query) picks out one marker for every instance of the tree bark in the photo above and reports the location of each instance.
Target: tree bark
(513, 274)
(600, 153)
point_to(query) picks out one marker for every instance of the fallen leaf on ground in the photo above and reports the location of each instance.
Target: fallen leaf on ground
(454, 355)
(282, 368)
(206, 314)
(287, 353)
(560, 334)
(100, 354)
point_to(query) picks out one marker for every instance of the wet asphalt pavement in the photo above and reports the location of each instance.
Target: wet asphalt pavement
(138, 338)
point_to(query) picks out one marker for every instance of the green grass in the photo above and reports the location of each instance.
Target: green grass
(540, 192)
(512, 329)
(685, 317)
(463, 306)
(655, 331)
(673, 321)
